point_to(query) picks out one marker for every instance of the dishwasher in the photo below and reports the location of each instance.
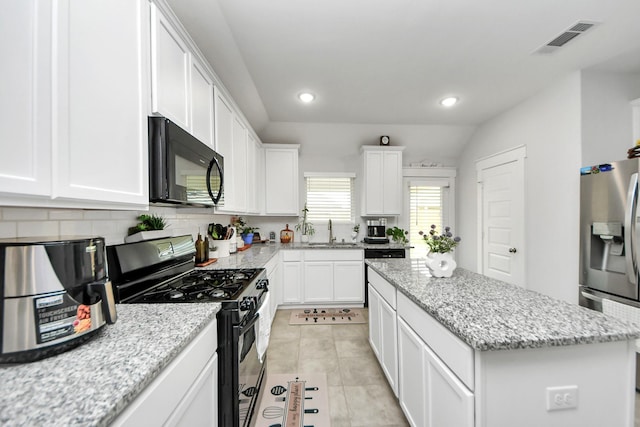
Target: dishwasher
(372, 253)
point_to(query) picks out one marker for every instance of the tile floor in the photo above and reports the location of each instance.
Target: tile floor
(359, 394)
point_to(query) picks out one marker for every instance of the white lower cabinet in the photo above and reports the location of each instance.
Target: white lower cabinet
(430, 394)
(383, 334)
(185, 393)
(323, 276)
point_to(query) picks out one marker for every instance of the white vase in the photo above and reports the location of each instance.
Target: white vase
(304, 238)
(441, 265)
(354, 236)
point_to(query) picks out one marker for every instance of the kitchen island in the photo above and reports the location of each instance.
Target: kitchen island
(473, 351)
(95, 382)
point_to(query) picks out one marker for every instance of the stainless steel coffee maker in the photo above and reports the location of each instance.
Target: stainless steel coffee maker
(376, 231)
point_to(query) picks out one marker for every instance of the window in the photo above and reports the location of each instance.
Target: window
(426, 207)
(329, 196)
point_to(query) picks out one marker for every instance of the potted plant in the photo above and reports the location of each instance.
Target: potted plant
(398, 235)
(305, 227)
(440, 259)
(245, 230)
(150, 227)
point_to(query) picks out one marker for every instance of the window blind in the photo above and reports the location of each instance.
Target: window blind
(425, 209)
(329, 198)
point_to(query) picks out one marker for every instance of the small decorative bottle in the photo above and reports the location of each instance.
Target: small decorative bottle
(199, 250)
(286, 235)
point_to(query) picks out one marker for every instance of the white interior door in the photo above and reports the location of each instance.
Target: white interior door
(501, 216)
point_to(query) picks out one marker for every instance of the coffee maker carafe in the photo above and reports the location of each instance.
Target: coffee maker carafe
(376, 231)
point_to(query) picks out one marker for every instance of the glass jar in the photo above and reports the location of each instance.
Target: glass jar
(286, 235)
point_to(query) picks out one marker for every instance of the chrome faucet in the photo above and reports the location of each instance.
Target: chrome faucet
(331, 238)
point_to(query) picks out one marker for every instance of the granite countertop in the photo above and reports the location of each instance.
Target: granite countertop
(489, 314)
(91, 384)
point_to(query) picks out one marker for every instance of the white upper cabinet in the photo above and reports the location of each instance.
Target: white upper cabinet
(182, 87)
(25, 104)
(224, 145)
(170, 67)
(381, 180)
(202, 104)
(281, 179)
(238, 172)
(76, 104)
(253, 172)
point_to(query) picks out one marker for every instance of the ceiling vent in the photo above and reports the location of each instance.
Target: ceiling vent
(574, 31)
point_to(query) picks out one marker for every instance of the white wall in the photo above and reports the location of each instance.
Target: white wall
(606, 115)
(549, 125)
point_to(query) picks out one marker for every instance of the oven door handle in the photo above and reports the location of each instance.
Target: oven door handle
(242, 329)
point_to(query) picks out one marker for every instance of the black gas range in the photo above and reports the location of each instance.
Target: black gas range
(162, 271)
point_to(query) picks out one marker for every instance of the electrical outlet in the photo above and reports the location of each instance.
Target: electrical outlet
(559, 398)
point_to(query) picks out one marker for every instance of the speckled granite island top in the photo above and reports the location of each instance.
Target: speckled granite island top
(489, 314)
(91, 384)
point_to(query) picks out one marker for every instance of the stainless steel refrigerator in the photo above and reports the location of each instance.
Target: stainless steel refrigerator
(608, 234)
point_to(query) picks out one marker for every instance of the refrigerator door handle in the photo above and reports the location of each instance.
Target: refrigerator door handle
(630, 230)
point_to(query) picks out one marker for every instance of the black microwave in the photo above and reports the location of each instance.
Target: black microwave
(182, 169)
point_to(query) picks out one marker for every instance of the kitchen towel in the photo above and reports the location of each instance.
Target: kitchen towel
(263, 327)
(622, 312)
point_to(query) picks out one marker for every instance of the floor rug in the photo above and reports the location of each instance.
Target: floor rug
(294, 400)
(324, 316)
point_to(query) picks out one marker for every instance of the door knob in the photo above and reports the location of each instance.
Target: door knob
(513, 250)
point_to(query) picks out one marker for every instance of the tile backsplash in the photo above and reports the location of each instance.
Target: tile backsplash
(112, 225)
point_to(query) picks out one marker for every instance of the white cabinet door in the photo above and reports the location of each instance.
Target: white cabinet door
(392, 183)
(389, 344)
(201, 96)
(275, 286)
(449, 402)
(411, 375)
(200, 406)
(281, 179)
(170, 62)
(25, 85)
(224, 143)
(292, 282)
(239, 168)
(374, 321)
(382, 184)
(318, 281)
(348, 281)
(252, 172)
(374, 184)
(101, 107)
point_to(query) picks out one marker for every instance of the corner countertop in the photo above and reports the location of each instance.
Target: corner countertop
(91, 384)
(489, 314)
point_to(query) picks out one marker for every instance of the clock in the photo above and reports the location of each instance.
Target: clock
(384, 140)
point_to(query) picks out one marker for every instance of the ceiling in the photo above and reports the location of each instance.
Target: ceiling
(391, 61)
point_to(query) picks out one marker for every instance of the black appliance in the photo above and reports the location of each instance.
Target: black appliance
(162, 271)
(372, 253)
(54, 295)
(182, 169)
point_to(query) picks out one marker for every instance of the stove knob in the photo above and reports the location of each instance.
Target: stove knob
(262, 284)
(247, 304)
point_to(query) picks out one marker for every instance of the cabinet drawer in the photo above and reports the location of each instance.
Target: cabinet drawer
(333, 255)
(384, 288)
(457, 355)
(291, 255)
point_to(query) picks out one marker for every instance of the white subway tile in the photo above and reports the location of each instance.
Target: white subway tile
(38, 228)
(24, 214)
(128, 215)
(65, 214)
(8, 229)
(75, 228)
(97, 215)
(103, 228)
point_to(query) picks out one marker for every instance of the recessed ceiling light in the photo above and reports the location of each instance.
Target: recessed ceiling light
(449, 102)
(306, 97)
